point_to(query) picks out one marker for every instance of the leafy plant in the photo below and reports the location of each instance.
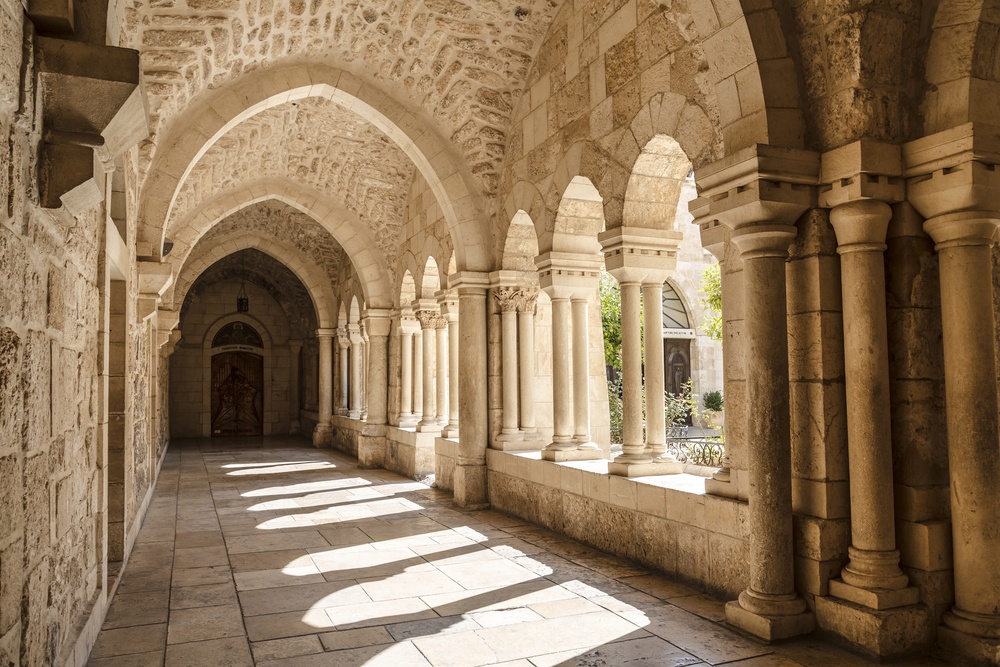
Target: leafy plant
(711, 288)
(611, 320)
(713, 400)
(615, 405)
(678, 407)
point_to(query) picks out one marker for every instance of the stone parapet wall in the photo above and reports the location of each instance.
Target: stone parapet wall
(346, 432)
(409, 453)
(667, 523)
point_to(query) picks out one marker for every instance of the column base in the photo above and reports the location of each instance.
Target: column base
(979, 650)
(769, 628)
(874, 598)
(323, 435)
(354, 414)
(371, 447)
(883, 633)
(645, 469)
(559, 455)
(429, 427)
(450, 430)
(408, 421)
(515, 442)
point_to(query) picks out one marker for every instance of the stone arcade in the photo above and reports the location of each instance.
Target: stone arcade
(417, 199)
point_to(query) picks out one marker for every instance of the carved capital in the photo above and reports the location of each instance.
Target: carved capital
(427, 318)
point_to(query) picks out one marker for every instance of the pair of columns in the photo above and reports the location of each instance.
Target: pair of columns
(570, 280)
(517, 318)
(641, 260)
(352, 341)
(759, 193)
(429, 357)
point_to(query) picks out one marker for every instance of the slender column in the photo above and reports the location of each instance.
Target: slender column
(772, 583)
(441, 376)
(364, 372)
(473, 424)
(633, 447)
(406, 417)
(451, 430)
(323, 433)
(356, 404)
(526, 358)
(964, 243)
(874, 561)
(418, 374)
(343, 342)
(429, 422)
(377, 384)
(294, 348)
(507, 299)
(656, 431)
(562, 415)
(581, 375)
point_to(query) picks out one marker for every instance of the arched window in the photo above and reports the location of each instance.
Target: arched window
(674, 314)
(237, 333)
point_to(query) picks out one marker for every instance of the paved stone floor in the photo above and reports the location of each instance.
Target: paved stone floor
(270, 552)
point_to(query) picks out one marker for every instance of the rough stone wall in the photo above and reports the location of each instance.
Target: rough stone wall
(463, 63)
(610, 75)
(50, 494)
(853, 60)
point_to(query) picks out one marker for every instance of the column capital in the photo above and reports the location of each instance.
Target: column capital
(440, 322)
(630, 253)
(863, 170)
(408, 324)
(954, 171)
(325, 333)
(448, 303)
(427, 318)
(963, 228)
(760, 184)
(861, 225)
(507, 297)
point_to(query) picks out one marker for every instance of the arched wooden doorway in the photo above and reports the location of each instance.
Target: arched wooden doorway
(237, 381)
(677, 335)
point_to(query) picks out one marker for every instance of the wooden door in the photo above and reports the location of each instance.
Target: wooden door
(237, 394)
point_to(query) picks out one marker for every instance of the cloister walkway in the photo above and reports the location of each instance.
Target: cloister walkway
(270, 552)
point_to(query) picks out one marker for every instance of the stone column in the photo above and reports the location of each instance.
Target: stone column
(371, 443)
(581, 374)
(294, 348)
(323, 433)
(441, 374)
(633, 448)
(507, 299)
(356, 401)
(860, 217)
(428, 323)
(365, 357)
(526, 359)
(562, 408)
(449, 309)
(656, 427)
(406, 418)
(760, 193)
(418, 374)
(957, 194)
(473, 422)
(344, 342)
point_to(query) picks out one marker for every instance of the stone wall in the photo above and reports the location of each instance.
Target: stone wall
(53, 388)
(190, 393)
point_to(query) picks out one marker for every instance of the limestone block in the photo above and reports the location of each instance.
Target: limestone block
(692, 554)
(886, 633)
(11, 397)
(729, 565)
(921, 503)
(821, 498)
(819, 430)
(925, 545)
(11, 573)
(919, 433)
(821, 539)
(812, 577)
(656, 543)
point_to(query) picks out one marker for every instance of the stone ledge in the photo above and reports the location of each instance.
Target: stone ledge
(877, 599)
(769, 628)
(978, 649)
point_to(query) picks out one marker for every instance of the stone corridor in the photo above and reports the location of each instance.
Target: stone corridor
(270, 552)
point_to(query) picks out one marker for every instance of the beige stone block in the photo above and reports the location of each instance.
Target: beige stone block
(622, 492)
(728, 565)
(812, 577)
(823, 499)
(685, 508)
(884, 633)
(821, 539)
(925, 545)
(597, 487)
(692, 554)
(921, 503)
(651, 500)
(769, 628)
(726, 516)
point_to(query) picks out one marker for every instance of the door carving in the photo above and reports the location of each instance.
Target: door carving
(237, 396)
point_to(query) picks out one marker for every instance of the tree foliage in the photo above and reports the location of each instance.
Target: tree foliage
(711, 289)
(611, 320)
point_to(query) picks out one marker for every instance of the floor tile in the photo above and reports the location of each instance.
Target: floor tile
(229, 652)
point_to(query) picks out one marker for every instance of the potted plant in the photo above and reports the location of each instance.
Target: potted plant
(713, 415)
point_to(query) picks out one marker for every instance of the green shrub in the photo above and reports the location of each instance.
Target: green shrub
(713, 400)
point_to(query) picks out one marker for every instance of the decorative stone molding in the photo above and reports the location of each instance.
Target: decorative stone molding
(632, 255)
(427, 318)
(515, 299)
(863, 170)
(568, 275)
